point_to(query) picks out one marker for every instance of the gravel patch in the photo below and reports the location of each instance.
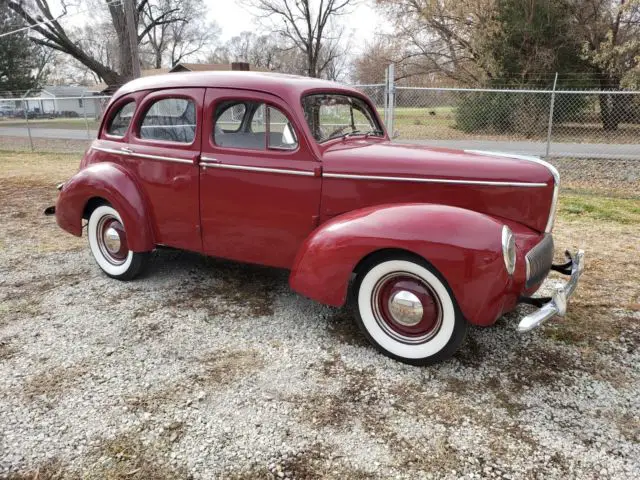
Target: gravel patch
(210, 369)
(178, 375)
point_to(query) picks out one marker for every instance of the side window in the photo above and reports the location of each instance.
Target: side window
(170, 119)
(231, 116)
(120, 122)
(282, 136)
(260, 127)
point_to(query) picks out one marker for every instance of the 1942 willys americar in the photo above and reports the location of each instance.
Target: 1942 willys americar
(300, 173)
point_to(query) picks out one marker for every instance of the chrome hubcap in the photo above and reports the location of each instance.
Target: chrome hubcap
(112, 240)
(405, 308)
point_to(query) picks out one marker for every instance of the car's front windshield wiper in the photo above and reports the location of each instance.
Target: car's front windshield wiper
(374, 131)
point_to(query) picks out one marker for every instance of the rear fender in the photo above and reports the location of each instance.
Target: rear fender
(464, 246)
(110, 182)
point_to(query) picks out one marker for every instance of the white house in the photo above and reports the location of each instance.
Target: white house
(72, 101)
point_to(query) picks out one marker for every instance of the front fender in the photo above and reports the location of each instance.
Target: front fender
(464, 246)
(110, 182)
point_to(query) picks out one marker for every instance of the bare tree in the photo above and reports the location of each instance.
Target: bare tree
(49, 32)
(171, 43)
(308, 27)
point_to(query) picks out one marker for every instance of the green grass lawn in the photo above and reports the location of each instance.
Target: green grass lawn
(587, 205)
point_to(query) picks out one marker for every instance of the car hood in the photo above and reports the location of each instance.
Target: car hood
(518, 188)
(387, 158)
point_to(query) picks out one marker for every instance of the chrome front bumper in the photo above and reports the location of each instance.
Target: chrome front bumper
(558, 303)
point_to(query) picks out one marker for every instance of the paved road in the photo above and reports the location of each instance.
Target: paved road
(576, 150)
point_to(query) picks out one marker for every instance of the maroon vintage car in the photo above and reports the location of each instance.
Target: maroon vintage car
(300, 173)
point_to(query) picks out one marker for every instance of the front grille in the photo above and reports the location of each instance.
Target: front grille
(539, 260)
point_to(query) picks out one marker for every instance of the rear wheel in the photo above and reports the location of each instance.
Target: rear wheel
(406, 309)
(108, 243)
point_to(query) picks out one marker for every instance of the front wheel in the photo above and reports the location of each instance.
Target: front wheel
(407, 311)
(108, 244)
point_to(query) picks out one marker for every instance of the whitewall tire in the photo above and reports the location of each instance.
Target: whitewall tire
(108, 244)
(407, 311)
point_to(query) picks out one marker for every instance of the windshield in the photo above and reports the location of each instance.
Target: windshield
(333, 115)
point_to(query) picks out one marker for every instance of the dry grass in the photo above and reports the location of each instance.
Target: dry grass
(609, 291)
(40, 145)
(27, 187)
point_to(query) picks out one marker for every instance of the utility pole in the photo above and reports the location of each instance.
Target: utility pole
(130, 25)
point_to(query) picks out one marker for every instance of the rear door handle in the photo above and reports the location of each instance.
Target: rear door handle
(126, 150)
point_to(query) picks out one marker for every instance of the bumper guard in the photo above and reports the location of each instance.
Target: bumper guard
(557, 303)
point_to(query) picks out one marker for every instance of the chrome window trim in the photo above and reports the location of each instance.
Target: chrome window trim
(144, 155)
(530, 158)
(210, 162)
(434, 180)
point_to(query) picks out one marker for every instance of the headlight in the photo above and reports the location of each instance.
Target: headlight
(509, 249)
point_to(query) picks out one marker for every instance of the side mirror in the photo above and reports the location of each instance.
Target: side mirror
(396, 134)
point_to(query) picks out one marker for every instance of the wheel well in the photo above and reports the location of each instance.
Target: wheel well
(92, 204)
(382, 254)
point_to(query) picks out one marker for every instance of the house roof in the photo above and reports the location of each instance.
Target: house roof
(65, 91)
(215, 67)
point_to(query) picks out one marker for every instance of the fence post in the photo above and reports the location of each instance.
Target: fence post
(25, 106)
(390, 98)
(386, 95)
(84, 112)
(551, 106)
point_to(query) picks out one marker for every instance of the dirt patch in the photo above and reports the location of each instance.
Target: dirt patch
(314, 462)
(51, 470)
(126, 457)
(223, 288)
(357, 396)
(53, 382)
(342, 326)
(226, 366)
(221, 367)
(7, 350)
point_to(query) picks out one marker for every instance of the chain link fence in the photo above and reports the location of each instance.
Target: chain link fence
(51, 124)
(593, 137)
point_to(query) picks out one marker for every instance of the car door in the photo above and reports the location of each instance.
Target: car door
(163, 152)
(259, 181)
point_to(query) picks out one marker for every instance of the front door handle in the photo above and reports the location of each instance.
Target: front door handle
(126, 150)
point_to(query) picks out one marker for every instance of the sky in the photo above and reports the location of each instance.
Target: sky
(234, 18)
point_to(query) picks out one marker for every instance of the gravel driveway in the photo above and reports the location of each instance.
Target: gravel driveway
(208, 369)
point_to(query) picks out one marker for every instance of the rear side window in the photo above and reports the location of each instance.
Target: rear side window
(170, 120)
(120, 122)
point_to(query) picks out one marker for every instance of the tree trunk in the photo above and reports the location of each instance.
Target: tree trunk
(610, 104)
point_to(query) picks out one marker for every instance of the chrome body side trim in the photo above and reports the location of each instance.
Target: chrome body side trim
(530, 158)
(558, 303)
(212, 163)
(433, 180)
(130, 153)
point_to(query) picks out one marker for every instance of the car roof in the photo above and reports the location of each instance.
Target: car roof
(279, 84)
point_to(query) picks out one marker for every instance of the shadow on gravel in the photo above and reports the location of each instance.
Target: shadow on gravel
(192, 281)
